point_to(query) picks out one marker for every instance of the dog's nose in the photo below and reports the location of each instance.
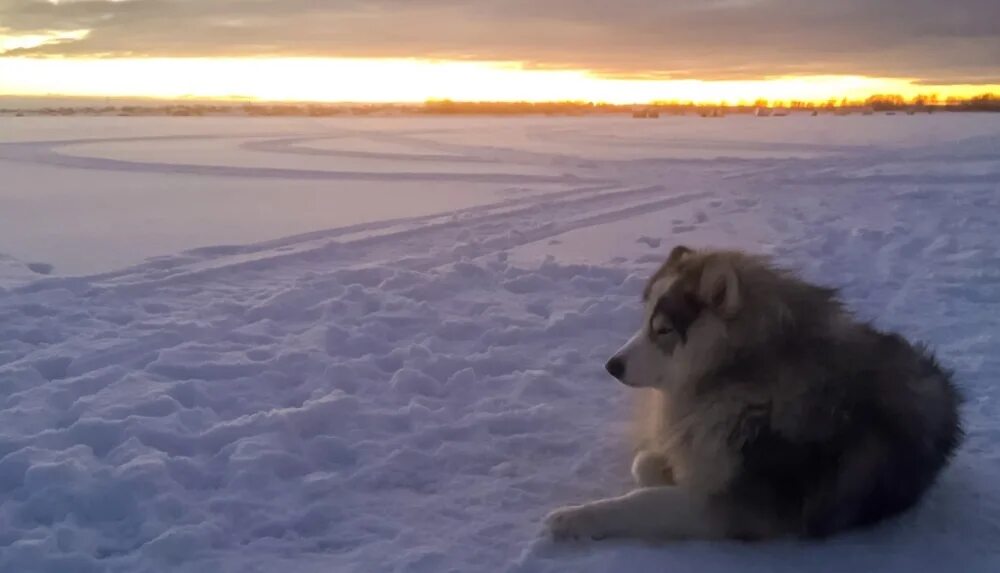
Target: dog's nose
(616, 367)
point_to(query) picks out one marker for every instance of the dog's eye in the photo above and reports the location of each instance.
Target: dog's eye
(663, 330)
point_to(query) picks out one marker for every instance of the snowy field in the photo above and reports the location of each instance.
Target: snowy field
(366, 345)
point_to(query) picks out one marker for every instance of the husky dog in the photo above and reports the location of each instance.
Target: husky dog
(769, 411)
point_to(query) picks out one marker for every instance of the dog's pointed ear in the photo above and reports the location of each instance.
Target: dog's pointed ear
(678, 254)
(719, 287)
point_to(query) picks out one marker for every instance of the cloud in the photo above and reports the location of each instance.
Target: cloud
(930, 40)
(20, 42)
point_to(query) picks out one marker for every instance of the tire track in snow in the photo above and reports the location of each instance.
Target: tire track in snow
(290, 146)
(287, 247)
(442, 232)
(49, 153)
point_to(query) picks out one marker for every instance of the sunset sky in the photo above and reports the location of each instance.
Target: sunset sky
(412, 50)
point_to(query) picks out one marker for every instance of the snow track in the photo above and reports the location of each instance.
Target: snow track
(415, 393)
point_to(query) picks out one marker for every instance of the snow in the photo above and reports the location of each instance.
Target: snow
(394, 364)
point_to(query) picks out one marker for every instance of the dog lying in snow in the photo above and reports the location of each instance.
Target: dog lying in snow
(768, 411)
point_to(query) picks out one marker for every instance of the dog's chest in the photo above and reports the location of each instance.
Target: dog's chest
(702, 442)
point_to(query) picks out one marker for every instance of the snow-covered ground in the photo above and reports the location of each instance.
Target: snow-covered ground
(376, 344)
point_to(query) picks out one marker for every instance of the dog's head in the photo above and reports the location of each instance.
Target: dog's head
(695, 311)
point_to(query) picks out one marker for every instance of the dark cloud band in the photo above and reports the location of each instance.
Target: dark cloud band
(930, 40)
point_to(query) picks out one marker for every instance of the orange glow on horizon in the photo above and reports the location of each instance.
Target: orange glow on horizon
(409, 80)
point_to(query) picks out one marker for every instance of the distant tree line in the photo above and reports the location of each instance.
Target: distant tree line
(881, 102)
(984, 102)
(449, 107)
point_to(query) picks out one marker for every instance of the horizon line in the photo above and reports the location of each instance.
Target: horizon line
(925, 99)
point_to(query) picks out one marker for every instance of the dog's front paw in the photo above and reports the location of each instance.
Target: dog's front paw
(652, 469)
(575, 523)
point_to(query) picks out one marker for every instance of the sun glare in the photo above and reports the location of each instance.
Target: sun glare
(401, 80)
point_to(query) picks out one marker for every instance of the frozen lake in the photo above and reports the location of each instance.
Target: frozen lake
(376, 344)
(88, 195)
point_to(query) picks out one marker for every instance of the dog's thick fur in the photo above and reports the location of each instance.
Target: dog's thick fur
(768, 411)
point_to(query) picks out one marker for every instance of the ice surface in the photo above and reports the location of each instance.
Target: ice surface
(377, 371)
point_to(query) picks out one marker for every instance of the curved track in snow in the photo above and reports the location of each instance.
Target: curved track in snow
(53, 153)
